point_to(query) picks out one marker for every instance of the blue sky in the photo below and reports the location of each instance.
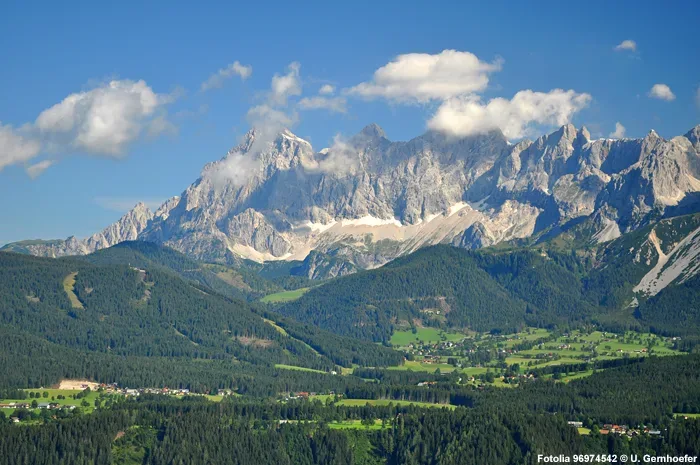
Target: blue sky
(163, 52)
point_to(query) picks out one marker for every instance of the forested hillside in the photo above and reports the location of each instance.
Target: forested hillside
(242, 282)
(505, 288)
(120, 311)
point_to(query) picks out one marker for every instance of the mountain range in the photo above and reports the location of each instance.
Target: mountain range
(367, 200)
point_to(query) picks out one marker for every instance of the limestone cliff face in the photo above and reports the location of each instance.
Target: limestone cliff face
(367, 200)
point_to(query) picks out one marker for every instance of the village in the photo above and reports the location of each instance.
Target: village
(513, 357)
(620, 430)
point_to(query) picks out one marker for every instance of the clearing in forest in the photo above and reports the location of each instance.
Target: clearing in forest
(285, 296)
(69, 287)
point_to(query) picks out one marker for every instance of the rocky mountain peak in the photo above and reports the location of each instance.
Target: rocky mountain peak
(373, 131)
(164, 210)
(694, 137)
(140, 210)
(566, 135)
(652, 135)
(584, 135)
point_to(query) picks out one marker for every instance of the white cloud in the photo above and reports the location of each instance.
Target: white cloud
(36, 169)
(124, 204)
(235, 169)
(104, 120)
(421, 77)
(15, 147)
(326, 89)
(286, 85)
(341, 158)
(333, 104)
(268, 119)
(160, 125)
(630, 45)
(467, 115)
(217, 79)
(619, 131)
(662, 92)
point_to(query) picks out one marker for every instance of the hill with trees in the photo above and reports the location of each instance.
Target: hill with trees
(122, 311)
(501, 289)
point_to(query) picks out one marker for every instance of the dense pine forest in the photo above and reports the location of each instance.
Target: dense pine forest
(65, 318)
(494, 426)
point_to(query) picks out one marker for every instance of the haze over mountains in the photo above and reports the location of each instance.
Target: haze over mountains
(367, 200)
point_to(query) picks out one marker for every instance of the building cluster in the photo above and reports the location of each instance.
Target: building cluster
(624, 430)
(621, 430)
(40, 405)
(115, 389)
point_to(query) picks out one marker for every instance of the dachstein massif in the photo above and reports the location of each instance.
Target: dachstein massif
(368, 200)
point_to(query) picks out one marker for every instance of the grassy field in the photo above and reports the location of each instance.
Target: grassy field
(279, 329)
(52, 397)
(415, 365)
(292, 367)
(347, 370)
(284, 296)
(69, 287)
(384, 402)
(356, 424)
(423, 335)
(584, 431)
(530, 334)
(689, 415)
(539, 363)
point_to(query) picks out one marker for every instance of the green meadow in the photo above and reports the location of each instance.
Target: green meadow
(384, 402)
(357, 424)
(284, 296)
(52, 397)
(292, 367)
(423, 335)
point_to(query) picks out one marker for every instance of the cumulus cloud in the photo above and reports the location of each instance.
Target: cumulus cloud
(36, 169)
(333, 104)
(160, 125)
(285, 85)
(341, 159)
(16, 147)
(104, 120)
(217, 79)
(326, 89)
(268, 119)
(235, 169)
(619, 131)
(468, 115)
(421, 77)
(662, 92)
(629, 45)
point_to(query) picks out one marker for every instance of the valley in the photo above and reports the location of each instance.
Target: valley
(553, 338)
(390, 233)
